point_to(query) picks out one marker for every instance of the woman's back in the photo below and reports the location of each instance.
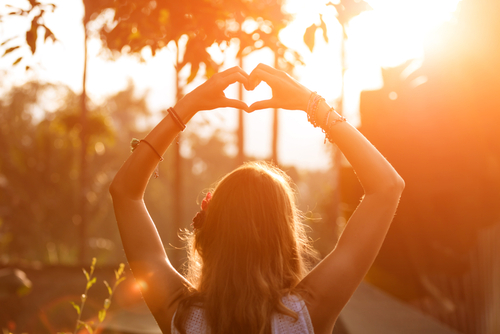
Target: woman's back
(251, 248)
(280, 323)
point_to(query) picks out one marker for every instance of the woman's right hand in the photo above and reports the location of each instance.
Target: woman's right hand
(288, 93)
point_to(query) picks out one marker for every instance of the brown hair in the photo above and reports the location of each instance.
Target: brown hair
(251, 250)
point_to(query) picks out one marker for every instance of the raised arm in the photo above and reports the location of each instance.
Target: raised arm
(162, 284)
(333, 281)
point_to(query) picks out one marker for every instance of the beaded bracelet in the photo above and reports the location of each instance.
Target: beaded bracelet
(135, 142)
(328, 128)
(311, 113)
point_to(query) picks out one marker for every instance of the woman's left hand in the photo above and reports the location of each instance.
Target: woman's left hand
(210, 95)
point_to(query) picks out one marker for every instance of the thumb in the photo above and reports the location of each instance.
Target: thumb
(234, 104)
(265, 104)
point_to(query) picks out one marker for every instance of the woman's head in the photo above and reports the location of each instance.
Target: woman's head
(251, 248)
(252, 224)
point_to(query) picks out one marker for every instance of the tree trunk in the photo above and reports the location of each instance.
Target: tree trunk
(274, 156)
(84, 138)
(177, 180)
(241, 126)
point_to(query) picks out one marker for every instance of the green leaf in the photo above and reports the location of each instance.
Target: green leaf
(77, 308)
(110, 291)
(17, 61)
(49, 34)
(107, 303)
(86, 274)
(120, 269)
(9, 50)
(102, 315)
(194, 71)
(7, 41)
(92, 266)
(323, 27)
(88, 327)
(119, 281)
(80, 324)
(309, 36)
(90, 283)
(32, 35)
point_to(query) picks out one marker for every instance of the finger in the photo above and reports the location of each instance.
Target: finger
(268, 69)
(234, 104)
(232, 78)
(259, 75)
(234, 69)
(265, 104)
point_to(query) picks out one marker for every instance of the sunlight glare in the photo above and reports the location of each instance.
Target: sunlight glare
(393, 32)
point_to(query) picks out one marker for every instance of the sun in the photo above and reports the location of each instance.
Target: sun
(393, 32)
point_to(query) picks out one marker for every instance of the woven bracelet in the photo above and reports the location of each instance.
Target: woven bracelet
(135, 142)
(176, 118)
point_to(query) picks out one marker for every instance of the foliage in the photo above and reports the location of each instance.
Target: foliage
(153, 24)
(39, 168)
(346, 10)
(107, 302)
(36, 14)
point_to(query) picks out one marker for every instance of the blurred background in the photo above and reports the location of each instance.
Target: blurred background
(80, 79)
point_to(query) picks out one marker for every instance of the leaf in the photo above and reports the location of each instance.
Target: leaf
(119, 281)
(9, 50)
(7, 41)
(17, 61)
(88, 327)
(49, 34)
(120, 269)
(32, 34)
(309, 36)
(110, 291)
(90, 283)
(107, 303)
(86, 274)
(33, 3)
(102, 315)
(92, 266)
(323, 27)
(194, 71)
(77, 308)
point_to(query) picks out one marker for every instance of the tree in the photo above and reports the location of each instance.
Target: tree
(346, 10)
(39, 169)
(152, 24)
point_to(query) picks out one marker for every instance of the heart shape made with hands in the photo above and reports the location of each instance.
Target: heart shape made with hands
(285, 92)
(251, 94)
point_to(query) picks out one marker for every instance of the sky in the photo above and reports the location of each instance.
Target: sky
(388, 35)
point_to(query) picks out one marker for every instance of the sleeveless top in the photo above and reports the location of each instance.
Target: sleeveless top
(280, 323)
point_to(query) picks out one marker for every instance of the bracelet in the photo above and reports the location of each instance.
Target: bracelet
(135, 142)
(311, 98)
(313, 108)
(328, 128)
(176, 118)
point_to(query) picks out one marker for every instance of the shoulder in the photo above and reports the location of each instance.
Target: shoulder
(282, 324)
(195, 321)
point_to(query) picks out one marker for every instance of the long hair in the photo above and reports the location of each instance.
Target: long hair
(251, 250)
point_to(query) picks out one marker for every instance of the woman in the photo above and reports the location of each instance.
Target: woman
(247, 269)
